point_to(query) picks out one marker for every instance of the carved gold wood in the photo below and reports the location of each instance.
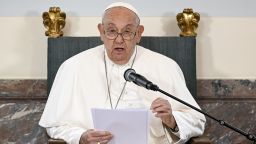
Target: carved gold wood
(188, 22)
(54, 22)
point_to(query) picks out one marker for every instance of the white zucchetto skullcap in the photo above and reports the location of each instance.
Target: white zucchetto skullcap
(122, 4)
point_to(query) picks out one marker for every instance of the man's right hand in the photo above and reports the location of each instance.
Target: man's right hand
(94, 137)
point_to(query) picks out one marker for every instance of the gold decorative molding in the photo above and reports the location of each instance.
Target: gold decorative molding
(188, 22)
(54, 22)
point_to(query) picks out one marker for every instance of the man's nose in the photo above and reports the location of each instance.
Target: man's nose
(119, 38)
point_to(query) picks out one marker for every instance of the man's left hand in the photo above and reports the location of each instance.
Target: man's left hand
(163, 110)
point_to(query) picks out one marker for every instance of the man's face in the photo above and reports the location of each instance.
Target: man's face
(120, 32)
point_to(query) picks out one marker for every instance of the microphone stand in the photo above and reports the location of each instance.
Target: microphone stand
(249, 136)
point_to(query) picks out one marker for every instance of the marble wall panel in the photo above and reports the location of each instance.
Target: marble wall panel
(240, 114)
(225, 89)
(205, 88)
(22, 103)
(15, 89)
(19, 122)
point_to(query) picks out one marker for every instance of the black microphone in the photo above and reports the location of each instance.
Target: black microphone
(131, 76)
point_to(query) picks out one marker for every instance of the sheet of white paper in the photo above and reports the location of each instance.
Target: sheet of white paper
(129, 126)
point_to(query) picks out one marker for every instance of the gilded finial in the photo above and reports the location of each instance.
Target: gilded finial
(188, 22)
(54, 22)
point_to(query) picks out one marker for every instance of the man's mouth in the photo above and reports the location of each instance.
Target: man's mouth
(119, 49)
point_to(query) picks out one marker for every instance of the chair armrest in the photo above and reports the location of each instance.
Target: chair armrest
(56, 141)
(200, 140)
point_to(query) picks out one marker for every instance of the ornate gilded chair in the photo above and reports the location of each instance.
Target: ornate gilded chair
(181, 49)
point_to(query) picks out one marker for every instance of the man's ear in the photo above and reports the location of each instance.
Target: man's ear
(139, 33)
(101, 31)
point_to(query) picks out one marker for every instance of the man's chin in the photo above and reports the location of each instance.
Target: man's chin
(120, 61)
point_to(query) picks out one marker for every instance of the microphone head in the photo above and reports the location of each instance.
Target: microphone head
(127, 74)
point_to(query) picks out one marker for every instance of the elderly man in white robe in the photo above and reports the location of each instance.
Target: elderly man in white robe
(94, 78)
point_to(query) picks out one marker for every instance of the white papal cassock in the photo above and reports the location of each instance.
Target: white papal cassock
(81, 84)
